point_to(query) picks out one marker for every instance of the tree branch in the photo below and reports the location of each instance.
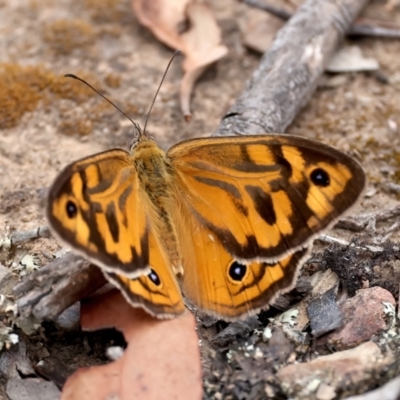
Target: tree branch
(288, 72)
(47, 292)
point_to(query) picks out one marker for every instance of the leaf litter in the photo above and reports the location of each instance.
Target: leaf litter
(188, 26)
(161, 360)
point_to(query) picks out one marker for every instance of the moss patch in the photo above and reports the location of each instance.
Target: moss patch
(21, 89)
(105, 10)
(64, 36)
(112, 81)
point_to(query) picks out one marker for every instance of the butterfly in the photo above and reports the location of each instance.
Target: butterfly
(224, 223)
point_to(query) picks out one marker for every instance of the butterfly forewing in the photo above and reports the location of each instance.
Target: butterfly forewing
(95, 206)
(265, 196)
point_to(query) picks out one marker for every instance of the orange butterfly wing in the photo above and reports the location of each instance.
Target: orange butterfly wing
(264, 197)
(216, 283)
(158, 292)
(247, 210)
(96, 206)
(93, 203)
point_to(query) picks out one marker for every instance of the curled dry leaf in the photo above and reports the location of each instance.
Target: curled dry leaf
(189, 26)
(162, 360)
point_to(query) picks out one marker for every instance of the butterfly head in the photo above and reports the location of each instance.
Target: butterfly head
(133, 141)
(138, 138)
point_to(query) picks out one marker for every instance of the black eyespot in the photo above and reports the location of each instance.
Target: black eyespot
(320, 177)
(237, 271)
(71, 209)
(154, 277)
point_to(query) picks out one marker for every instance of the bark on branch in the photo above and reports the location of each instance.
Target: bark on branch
(288, 72)
(282, 84)
(49, 291)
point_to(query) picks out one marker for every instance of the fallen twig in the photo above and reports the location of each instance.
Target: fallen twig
(42, 231)
(360, 27)
(362, 221)
(332, 240)
(289, 71)
(277, 11)
(372, 27)
(56, 286)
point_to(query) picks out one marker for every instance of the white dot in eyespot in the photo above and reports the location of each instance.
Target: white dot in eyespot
(153, 276)
(237, 271)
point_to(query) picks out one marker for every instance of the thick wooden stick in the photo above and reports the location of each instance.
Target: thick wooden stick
(288, 72)
(49, 291)
(361, 27)
(282, 84)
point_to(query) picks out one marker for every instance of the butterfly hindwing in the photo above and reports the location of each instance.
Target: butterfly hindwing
(158, 291)
(215, 282)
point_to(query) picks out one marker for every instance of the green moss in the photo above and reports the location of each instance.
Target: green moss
(64, 36)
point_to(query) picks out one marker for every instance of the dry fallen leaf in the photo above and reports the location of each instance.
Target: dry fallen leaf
(391, 5)
(259, 29)
(188, 26)
(161, 361)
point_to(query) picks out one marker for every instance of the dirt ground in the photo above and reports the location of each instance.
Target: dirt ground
(47, 126)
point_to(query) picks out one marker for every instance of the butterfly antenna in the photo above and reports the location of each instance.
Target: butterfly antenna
(159, 87)
(135, 124)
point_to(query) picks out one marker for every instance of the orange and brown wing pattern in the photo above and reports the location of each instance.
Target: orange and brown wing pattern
(265, 196)
(217, 283)
(95, 206)
(158, 291)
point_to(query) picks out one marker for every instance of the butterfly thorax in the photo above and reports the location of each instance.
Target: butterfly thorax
(153, 170)
(155, 179)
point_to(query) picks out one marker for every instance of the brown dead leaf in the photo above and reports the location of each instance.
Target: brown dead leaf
(391, 5)
(189, 26)
(259, 29)
(162, 360)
